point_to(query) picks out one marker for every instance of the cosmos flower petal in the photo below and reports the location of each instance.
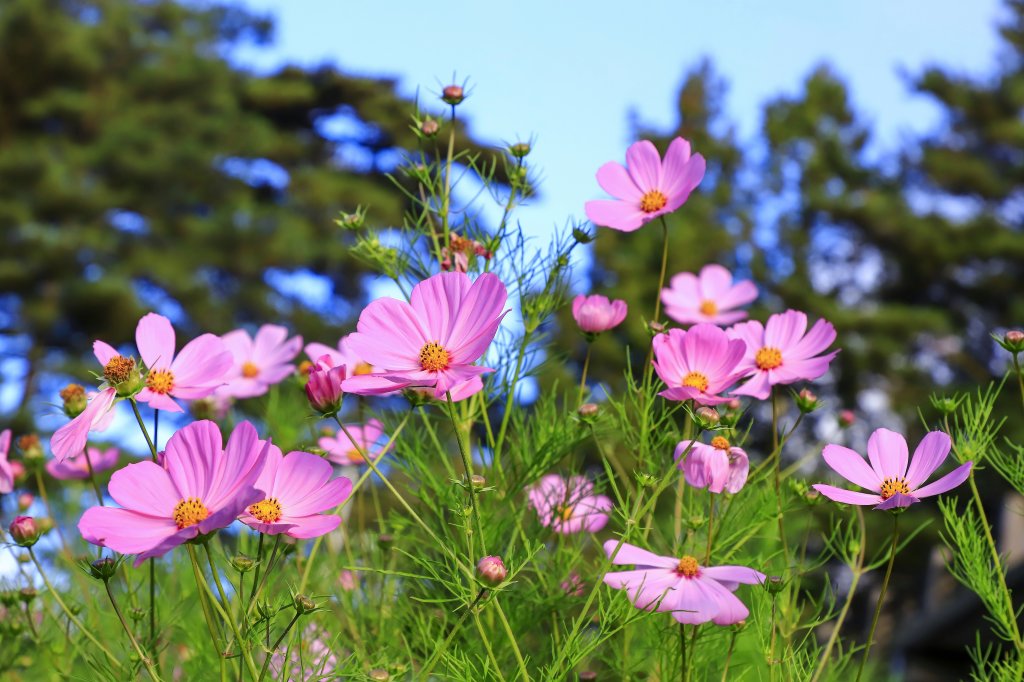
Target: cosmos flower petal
(618, 215)
(644, 165)
(124, 530)
(154, 337)
(946, 483)
(631, 554)
(851, 466)
(887, 451)
(202, 362)
(846, 496)
(735, 574)
(730, 609)
(70, 439)
(931, 452)
(103, 351)
(144, 487)
(616, 181)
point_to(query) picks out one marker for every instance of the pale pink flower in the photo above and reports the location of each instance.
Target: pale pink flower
(693, 594)
(341, 355)
(596, 314)
(195, 373)
(6, 473)
(891, 482)
(434, 339)
(569, 505)
(70, 439)
(711, 296)
(310, 661)
(573, 585)
(697, 364)
(259, 362)
(367, 441)
(78, 468)
(646, 188)
(347, 580)
(202, 486)
(781, 353)
(297, 489)
(717, 467)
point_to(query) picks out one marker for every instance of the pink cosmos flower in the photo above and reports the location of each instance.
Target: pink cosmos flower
(365, 440)
(711, 296)
(646, 188)
(780, 352)
(717, 466)
(195, 373)
(596, 314)
(891, 482)
(310, 661)
(78, 468)
(569, 505)
(297, 489)
(6, 473)
(323, 387)
(70, 439)
(342, 355)
(259, 362)
(433, 340)
(202, 486)
(697, 364)
(692, 593)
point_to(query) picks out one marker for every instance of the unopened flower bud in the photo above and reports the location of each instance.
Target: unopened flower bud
(303, 604)
(103, 569)
(491, 570)
(429, 127)
(806, 401)
(25, 501)
(351, 221)
(24, 531)
(17, 471)
(846, 418)
(774, 584)
(582, 236)
(31, 448)
(136, 613)
(75, 401)
(243, 563)
(655, 327)
(646, 480)
(1013, 341)
(519, 149)
(588, 675)
(323, 390)
(707, 417)
(124, 376)
(44, 524)
(379, 675)
(477, 481)
(27, 594)
(453, 95)
(587, 411)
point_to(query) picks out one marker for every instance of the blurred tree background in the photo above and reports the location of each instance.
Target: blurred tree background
(140, 169)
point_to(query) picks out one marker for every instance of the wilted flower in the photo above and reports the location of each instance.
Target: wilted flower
(710, 296)
(569, 505)
(693, 594)
(717, 467)
(892, 482)
(648, 188)
(595, 314)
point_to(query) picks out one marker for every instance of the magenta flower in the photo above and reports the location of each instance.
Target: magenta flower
(6, 473)
(711, 296)
(646, 188)
(297, 489)
(323, 387)
(342, 355)
(780, 352)
(366, 440)
(596, 314)
(717, 467)
(202, 486)
(692, 593)
(259, 362)
(891, 482)
(433, 340)
(77, 467)
(569, 505)
(70, 439)
(195, 373)
(697, 364)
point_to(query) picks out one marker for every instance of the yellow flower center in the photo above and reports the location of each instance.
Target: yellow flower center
(72, 391)
(564, 511)
(189, 512)
(363, 368)
(891, 486)
(118, 369)
(720, 443)
(160, 381)
(355, 456)
(433, 358)
(653, 201)
(768, 358)
(709, 308)
(249, 370)
(688, 567)
(696, 380)
(267, 511)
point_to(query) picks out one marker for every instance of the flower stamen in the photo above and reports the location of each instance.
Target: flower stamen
(768, 358)
(267, 511)
(250, 370)
(653, 200)
(891, 486)
(434, 358)
(160, 381)
(709, 308)
(189, 512)
(720, 443)
(688, 567)
(696, 380)
(118, 369)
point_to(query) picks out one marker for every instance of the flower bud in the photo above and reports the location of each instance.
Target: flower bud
(846, 418)
(27, 594)
(323, 390)
(945, 405)
(24, 531)
(17, 471)
(44, 524)
(103, 568)
(347, 581)
(303, 604)
(707, 418)
(582, 236)
(573, 585)
(123, 375)
(519, 149)
(655, 328)
(774, 584)
(243, 563)
(429, 127)
(137, 613)
(453, 95)
(646, 480)
(1012, 341)
(351, 221)
(491, 570)
(31, 448)
(588, 675)
(25, 501)
(588, 411)
(806, 401)
(477, 481)
(385, 541)
(75, 401)
(379, 675)
(8, 598)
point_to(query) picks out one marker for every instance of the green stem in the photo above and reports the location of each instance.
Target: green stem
(728, 656)
(436, 656)
(270, 654)
(467, 463)
(228, 620)
(128, 631)
(92, 477)
(142, 426)
(256, 576)
(583, 376)
(881, 595)
(684, 671)
(664, 264)
(512, 639)
(851, 592)
(72, 617)
(511, 396)
(1020, 377)
(711, 518)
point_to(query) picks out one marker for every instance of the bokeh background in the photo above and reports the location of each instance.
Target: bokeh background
(866, 164)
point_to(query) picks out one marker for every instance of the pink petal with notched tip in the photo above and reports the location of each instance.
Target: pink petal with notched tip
(947, 482)
(616, 181)
(644, 165)
(154, 337)
(887, 451)
(631, 554)
(851, 466)
(931, 452)
(614, 214)
(846, 496)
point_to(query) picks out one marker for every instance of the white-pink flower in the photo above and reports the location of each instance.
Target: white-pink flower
(260, 361)
(711, 296)
(569, 505)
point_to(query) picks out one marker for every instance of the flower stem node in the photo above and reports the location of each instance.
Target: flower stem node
(491, 570)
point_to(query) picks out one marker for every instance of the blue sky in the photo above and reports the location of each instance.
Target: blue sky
(569, 73)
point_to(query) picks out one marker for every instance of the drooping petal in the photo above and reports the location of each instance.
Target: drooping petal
(734, 574)
(930, 453)
(70, 439)
(947, 482)
(897, 500)
(730, 609)
(695, 602)
(851, 466)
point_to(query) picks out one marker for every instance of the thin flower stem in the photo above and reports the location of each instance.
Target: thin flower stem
(1020, 377)
(256, 576)
(266, 576)
(664, 264)
(487, 646)
(677, 517)
(467, 463)
(31, 623)
(776, 450)
(72, 617)
(92, 477)
(881, 595)
(128, 631)
(152, 566)
(49, 510)
(228, 620)
(142, 426)
(270, 654)
(512, 640)
(436, 656)
(684, 671)
(728, 656)
(711, 518)
(507, 414)
(583, 376)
